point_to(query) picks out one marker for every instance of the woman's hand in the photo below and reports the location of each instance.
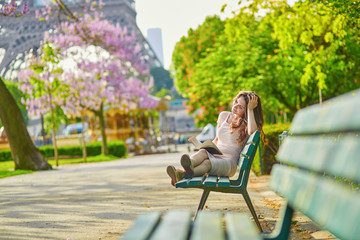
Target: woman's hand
(253, 102)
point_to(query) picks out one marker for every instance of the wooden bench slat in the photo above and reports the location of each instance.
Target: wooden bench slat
(239, 226)
(336, 115)
(253, 138)
(182, 183)
(248, 150)
(211, 181)
(224, 182)
(197, 181)
(208, 225)
(310, 153)
(346, 161)
(175, 226)
(321, 154)
(329, 203)
(142, 227)
(243, 163)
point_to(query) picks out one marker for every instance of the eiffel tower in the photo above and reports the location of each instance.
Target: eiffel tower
(20, 34)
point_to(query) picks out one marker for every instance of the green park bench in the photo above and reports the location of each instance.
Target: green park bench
(226, 185)
(318, 175)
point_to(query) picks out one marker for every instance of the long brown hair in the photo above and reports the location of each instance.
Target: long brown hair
(239, 122)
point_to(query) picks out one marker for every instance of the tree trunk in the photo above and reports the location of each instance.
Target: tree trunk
(83, 143)
(42, 129)
(23, 150)
(54, 132)
(104, 148)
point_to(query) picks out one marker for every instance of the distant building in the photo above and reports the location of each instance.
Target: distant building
(178, 120)
(154, 37)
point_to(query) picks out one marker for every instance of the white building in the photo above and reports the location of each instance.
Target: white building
(154, 37)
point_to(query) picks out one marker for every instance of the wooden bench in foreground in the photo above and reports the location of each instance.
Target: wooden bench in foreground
(319, 175)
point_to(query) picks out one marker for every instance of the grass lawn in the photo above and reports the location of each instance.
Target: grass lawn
(7, 167)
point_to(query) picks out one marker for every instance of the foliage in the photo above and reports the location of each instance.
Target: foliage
(91, 159)
(162, 79)
(116, 148)
(270, 145)
(163, 92)
(42, 84)
(7, 166)
(314, 45)
(292, 57)
(349, 8)
(60, 118)
(191, 49)
(5, 155)
(10, 173)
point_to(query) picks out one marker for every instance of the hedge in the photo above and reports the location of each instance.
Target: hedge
(116, 148)
(269, 147)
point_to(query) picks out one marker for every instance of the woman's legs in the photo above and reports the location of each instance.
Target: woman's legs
(196, 165)
(198, 157)
(203, 168)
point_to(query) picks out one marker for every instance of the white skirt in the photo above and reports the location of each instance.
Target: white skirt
(221, 165)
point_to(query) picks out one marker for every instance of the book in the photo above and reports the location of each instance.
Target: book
(208, 145)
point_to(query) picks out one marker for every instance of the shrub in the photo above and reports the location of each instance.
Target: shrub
(5, 155)
(116, 148)
(269, 147)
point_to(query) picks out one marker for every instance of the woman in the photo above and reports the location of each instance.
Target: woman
(233, 130)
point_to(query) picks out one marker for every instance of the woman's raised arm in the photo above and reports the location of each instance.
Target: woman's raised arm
(253, 102)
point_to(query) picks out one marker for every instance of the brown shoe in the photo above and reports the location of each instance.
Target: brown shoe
(187, 165)
(175, 174)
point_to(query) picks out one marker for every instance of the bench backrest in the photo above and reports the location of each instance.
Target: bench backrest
(320, 170)
(246, 158)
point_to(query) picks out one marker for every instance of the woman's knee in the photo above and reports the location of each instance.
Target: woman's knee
(207, 162)
(203, 153)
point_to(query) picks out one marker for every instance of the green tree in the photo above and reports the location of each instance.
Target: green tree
(292, 57)
(59, 118)
(313, 55)
(162, 79)
(349, 8)
(191, 49)
(42, 82)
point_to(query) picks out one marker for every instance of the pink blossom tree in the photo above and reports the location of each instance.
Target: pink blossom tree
(116, 73)
(10, 9)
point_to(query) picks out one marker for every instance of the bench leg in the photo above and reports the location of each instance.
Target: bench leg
(252, 210)
(202, 201)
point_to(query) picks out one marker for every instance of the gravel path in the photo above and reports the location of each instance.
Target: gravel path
(101, 200)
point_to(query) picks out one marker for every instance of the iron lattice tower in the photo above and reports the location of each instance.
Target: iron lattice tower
(21, 34)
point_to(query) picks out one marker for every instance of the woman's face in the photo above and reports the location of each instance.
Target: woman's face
(239, 106)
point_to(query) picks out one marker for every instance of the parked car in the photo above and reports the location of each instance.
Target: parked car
(75, 128)
(207, 133)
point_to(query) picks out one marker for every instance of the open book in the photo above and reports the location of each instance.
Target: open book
(208, 145)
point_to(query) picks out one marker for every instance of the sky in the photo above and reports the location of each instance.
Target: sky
(176, 17)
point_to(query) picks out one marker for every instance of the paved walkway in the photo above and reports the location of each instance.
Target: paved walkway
(101, 200)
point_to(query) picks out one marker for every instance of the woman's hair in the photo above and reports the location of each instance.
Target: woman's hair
(239, 123)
